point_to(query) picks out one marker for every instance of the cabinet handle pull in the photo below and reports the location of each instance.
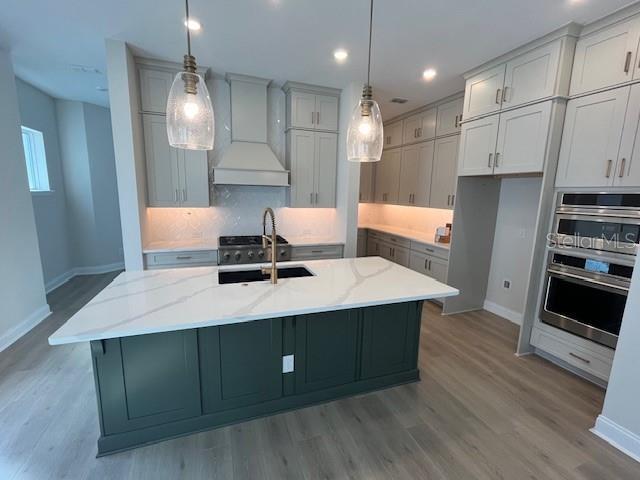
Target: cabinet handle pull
(313, 118)
(453, 199)
(184, 194)
(448, 200)
(621, 174)
(184, 257)
(429, 265)
(317, 118)
(504, 95)
(311, 198)
(419, 132)
(579, 357)
(609, 164)
(627, 62)
(498, 96)
(497, 159)
(175, 195)
(316, 197)
(425, 264)
(489, 164)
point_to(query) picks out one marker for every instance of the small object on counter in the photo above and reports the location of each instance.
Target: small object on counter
(443, 234)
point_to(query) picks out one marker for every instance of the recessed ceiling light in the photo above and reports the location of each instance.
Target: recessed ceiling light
(429, 74)
(192, 25)
(340, 55)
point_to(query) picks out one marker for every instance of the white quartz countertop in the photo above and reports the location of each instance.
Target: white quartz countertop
(173, 246)
(154, 301)
(416, 235)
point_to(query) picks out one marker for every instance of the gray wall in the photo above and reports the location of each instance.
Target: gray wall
(38, 111)
(21, 284)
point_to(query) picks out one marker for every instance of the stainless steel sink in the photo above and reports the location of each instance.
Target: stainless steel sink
(257, 275)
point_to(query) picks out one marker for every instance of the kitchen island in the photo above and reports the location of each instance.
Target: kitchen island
(176, 351)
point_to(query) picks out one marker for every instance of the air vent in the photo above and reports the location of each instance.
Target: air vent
(399, 100)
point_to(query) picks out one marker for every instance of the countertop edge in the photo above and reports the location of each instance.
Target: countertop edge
(431, 243)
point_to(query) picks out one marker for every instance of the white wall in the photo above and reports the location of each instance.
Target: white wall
(38, 111)
(512, 247)
(619, 422)
(21, 284)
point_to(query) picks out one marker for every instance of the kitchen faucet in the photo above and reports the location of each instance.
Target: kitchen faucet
(273, 240)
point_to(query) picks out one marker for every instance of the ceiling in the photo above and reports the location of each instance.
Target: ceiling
(284, 39)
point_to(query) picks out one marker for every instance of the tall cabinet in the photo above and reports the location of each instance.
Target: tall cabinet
(312, 144)
(175, 177)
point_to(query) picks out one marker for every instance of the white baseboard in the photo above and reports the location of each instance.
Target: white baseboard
(619, 437)
(514, 317)
(8, 338)
(94, 270)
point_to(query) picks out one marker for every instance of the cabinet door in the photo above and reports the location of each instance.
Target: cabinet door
(400, 256)
(326, 156)
(194, 178)
(241, 364)
(522, 139)
(303, 108)
(444, 178)
(373, 247)
(531, 76)
(326, 350)
(393, 135)
(411, 125)
(483, 92)
(448, 117)
(438, 269)
(605, 58)
(367, 175)
(591, 139)
(428, 120)
(388, 177)
(163, 183)
(478, 146)
(302, 164)
(148, 380)
(326, 112)
(425, 171)
(409, 166)
(418, 262)
(154, 90)
(390, 339)
(627, 173)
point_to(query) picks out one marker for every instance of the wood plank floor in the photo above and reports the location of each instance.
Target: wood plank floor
(478, 412)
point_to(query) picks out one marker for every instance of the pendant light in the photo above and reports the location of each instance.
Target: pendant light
(365, 134)
(190, 122)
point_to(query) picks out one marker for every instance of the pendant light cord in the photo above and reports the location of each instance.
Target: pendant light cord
(370, 30)
(189, 33)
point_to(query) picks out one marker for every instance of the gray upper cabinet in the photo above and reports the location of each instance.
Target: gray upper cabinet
(154, 89)
(419, 127)
(175, 177)
(478, 146)
(311, 107)
(483, 92)
(449, 117)
(606, 57)
(367, 177)
(415, 174)
(393, 134)
(444, 179)
(627, 173)
(388, 177)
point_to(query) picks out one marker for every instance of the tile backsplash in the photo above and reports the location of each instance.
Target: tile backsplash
(413, 218)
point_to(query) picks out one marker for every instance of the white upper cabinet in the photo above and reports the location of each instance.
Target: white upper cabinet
(483, 92)
(606, 57)
(591, 139)
(531, 76)
(154, 89)
(194, 178)
(478, 146)
(388, 177)
(393, 134)
(420, 127)
(444, 178)
(449, 117)
(367, 176)
(627, 173)
(326, 145)
(522, 139)
(415, 174)
(311, 108)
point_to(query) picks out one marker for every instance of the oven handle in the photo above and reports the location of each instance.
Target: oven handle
(580, 280)
(598, 217)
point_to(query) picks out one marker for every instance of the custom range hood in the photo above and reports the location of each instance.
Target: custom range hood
(249, 160)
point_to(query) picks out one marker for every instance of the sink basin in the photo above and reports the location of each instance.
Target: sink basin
(246, 276)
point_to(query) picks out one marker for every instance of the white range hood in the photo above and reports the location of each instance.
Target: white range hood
(249, 160)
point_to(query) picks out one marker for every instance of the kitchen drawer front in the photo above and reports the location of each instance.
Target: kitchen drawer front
(429, 249)
(579, 357)
(176, 259)
(317, 252)
(391, 239)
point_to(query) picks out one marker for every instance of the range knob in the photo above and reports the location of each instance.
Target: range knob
(238, 255)
(250, 254)
(260, 253)
(226, 256)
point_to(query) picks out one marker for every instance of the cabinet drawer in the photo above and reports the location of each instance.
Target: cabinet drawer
(394, 240)
(429, 249)
(176, 259)
(315, 252)
(579, 357)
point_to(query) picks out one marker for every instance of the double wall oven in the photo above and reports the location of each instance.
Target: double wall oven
(593, 248)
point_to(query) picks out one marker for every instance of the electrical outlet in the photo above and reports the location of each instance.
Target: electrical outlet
(506, 284)
(287, 364)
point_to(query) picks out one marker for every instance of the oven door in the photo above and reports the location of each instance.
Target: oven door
(607, 233)
(584, 306)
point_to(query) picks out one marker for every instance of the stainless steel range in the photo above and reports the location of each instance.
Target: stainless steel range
(248, 249)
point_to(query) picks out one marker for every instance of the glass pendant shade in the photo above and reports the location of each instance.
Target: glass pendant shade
(190, 121)
(365, 134)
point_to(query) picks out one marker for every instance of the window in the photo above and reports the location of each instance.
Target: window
(36, 159)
